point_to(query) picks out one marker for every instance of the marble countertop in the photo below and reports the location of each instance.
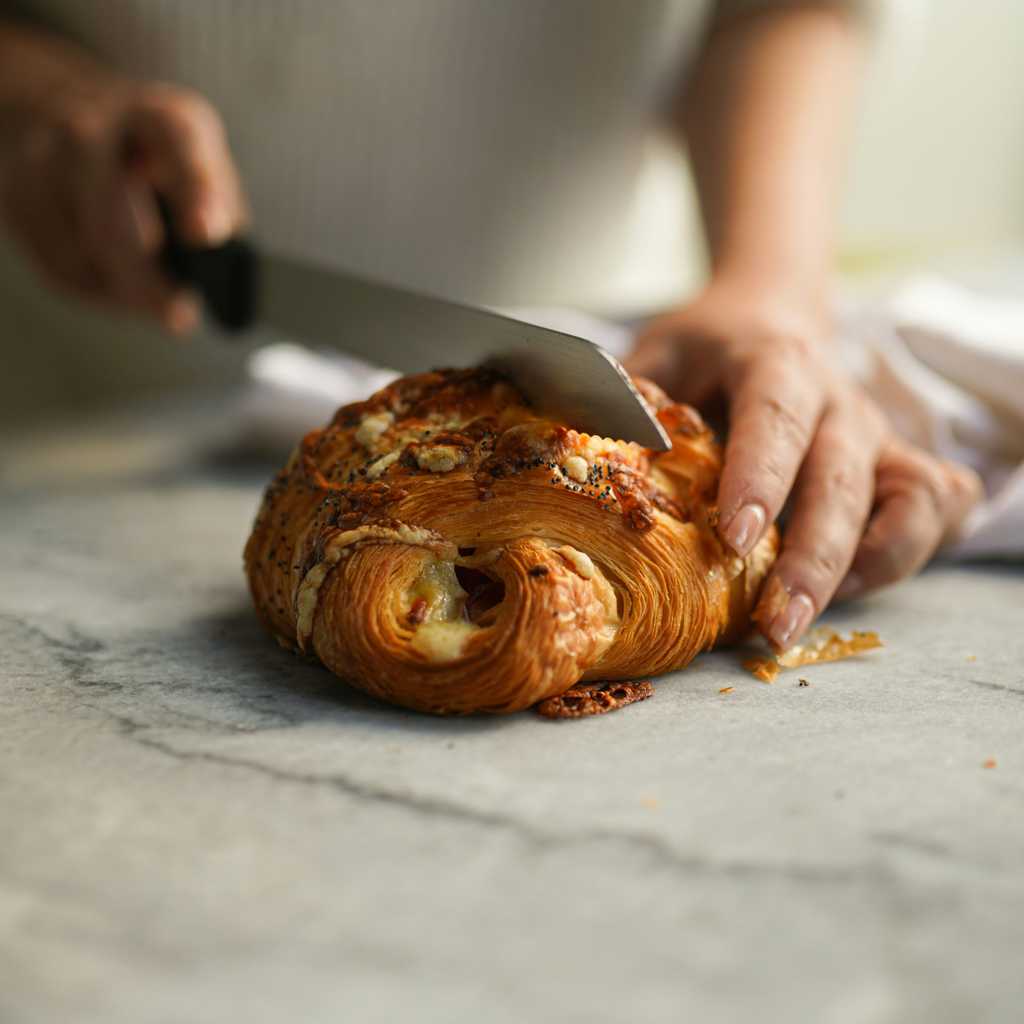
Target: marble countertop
(199, 827)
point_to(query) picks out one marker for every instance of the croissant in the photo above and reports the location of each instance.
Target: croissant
(444, 547)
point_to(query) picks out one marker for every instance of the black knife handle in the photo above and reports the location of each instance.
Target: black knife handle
(226, 275)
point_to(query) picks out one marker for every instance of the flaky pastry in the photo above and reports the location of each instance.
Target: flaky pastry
(443, 547)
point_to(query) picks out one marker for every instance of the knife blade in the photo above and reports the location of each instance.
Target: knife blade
(564, 376)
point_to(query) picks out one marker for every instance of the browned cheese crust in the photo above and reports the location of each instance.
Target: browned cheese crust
(443, 547)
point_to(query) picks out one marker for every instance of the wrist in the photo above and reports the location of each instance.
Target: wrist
(806, 298)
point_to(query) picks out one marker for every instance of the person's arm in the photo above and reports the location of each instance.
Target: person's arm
(765, 114)
(84, 152)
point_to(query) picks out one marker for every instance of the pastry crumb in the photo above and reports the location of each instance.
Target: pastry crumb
(763, 667)
(820, 645)
(727, 689)
(586, 699)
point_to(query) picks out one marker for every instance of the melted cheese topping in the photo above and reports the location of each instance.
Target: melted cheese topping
(443, 634)
(601, 447)
(375, 469)
(308, 595)
(440, 458)
(442, 641)
(576, 468)
(372, 428)
(579, 560)
(440, 588)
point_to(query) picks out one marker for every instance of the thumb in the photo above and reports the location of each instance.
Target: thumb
(182, 151)
(652, 356)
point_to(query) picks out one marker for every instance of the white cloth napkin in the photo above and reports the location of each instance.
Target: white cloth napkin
(945, 363)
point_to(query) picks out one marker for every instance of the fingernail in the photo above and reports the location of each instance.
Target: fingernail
(851, 586)
(744, 529)
(791, 621)
(216, 223)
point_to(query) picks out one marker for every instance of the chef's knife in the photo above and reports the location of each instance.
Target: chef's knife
(562, 375)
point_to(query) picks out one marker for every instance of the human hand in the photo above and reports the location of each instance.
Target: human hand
(866, 507)
(80, 172)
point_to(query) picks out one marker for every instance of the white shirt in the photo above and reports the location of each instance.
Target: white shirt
(475, 148)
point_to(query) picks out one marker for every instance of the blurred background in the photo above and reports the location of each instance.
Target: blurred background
(936, 179)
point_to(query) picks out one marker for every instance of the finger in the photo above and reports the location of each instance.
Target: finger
(966, 491)
(689, 368)
(38, 216)
(114, 216)
(830, 508)
(179, 143)
(140, 280)
(920, 503)
(654, 358)
(94, 186)
(773, 415)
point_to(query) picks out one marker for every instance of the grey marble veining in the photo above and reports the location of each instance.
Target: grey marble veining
(197, 826)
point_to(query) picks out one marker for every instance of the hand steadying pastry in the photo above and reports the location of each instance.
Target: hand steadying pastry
(866, 508)
(764, 117)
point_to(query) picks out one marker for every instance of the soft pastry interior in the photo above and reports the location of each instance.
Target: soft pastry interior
(443, 547)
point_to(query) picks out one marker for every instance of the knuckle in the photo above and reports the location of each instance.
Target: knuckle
(785, 423)
(81, 128)
(794, 347)
(194, 110)
(755, 477)
(860, 416)
(930, 488)
(819, 566)
(965, 482)
(900, 547)
(184, 110)
(842, 488)
(914, 474)
(773, 475)
(825, 563)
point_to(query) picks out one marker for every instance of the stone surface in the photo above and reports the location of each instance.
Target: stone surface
(198, 826)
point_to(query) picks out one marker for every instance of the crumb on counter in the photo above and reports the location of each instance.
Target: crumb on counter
(763, 667)
(586, 699)
(820, 645)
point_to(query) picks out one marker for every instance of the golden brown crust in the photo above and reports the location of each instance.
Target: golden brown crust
(443, 547)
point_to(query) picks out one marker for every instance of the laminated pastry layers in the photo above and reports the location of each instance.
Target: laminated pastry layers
(443, 547)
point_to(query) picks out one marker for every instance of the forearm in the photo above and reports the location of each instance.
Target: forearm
(765, 116)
